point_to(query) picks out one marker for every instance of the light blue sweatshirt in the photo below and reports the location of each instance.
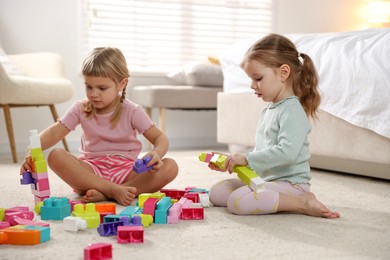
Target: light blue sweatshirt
(282, 147)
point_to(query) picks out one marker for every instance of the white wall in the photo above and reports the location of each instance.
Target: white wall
(54, 25)
(313, 16)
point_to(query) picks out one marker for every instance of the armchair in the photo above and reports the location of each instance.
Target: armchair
(41, 82)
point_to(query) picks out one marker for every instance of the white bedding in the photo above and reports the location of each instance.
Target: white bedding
(354, 70)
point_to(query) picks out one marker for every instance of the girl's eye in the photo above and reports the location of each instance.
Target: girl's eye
(258, 79)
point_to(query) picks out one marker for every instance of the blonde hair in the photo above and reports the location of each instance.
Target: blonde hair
(275, 50)
(107, 62)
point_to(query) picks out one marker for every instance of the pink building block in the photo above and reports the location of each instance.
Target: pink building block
(27, 222)
(11, 216)
(173, 193)
(192, 196)
(97, 251)
(174, 213)
(130, 234)
(194, 211)
(4, 224)
(150, 206)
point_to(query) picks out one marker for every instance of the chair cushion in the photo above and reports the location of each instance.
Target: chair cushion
(179, 97)
(203, 74)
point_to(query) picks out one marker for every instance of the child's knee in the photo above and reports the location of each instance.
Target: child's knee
(171, 168)
(233, 204)
(55, 156)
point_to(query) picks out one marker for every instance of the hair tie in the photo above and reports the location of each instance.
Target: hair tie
(300, 58)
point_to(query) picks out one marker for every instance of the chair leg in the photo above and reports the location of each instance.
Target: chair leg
(162, 118)
(10, 130)
(55, 117)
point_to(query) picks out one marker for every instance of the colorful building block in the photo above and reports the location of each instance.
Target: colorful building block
(18, 236)
(38, 177)
(173, 193)
(174, 213)
(74, 223)
(130, 234)
(98, 251)
(150, 205)
(4, 224)
(12, 215)
(140, 165)
(144, 196)
(106, 208)
(28, 222)
(88, 213)
(111, 228)
(193, 211)
(245, 174)
(130, 211)
(161, 211)
(146, 219)
(2, 211)
(44, 232)
(55, 208)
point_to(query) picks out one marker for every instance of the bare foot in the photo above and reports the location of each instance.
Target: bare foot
(124, 195)
(93, 195)
(313, 207)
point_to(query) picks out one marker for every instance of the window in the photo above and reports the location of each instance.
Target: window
(157, 36)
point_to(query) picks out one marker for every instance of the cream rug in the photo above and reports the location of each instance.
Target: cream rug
(362, 232)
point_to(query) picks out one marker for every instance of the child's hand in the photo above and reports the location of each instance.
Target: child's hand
(235, 159)
(216, 168)
(26, 166)
(155, 161)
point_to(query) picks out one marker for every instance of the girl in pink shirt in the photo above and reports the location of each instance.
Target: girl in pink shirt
(109, 145)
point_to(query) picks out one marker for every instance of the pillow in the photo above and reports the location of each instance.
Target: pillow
(198, 74)
(8, 66)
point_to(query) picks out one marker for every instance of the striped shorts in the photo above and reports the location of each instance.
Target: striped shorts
(114, 168)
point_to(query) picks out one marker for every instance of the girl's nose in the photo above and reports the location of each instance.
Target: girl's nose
(94, 93)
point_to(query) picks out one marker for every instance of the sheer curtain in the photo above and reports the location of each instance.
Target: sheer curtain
(158, 36)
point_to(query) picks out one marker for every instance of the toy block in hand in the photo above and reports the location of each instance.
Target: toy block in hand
(245, 174)
(140, 165)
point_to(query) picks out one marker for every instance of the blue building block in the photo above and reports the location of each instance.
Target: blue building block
(55, 208)
(112, 218)
(26, 178)
(140, 165)
(44, 231)
(161, 212)
(130, 211)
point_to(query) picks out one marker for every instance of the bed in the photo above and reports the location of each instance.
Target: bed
(353, 131)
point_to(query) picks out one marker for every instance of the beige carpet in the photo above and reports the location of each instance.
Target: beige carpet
(363, 231)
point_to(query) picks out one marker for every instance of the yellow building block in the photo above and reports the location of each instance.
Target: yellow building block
(144, 196)
(146, 219)
(40, 166)
(36, 153)
(244, 173)
(88, 213)
(2, 210)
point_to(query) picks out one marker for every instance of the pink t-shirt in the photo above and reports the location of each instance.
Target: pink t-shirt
(100, 139)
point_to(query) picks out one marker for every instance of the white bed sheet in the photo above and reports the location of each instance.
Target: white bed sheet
(354, 71)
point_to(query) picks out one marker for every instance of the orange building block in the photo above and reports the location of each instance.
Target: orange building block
(14, 236)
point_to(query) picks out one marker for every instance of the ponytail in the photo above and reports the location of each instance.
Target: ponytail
(305, 85)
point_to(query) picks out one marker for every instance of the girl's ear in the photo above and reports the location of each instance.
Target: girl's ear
(284, 72)
(123, 84)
